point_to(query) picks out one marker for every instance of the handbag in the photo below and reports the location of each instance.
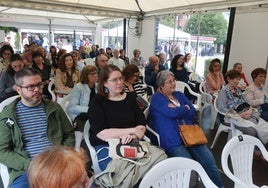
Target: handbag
(192, 135)
(132, 151)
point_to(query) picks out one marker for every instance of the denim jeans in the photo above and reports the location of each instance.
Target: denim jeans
(201, 154)
(21, 182)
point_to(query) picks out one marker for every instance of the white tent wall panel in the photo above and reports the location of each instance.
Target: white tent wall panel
(249, 42)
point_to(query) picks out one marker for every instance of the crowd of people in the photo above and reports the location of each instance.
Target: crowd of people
(103, 87)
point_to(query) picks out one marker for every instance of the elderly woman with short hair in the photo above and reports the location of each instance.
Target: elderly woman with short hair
(170, 108)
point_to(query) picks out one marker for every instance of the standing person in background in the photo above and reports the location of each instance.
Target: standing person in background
(29, 126)
(7, 82)
(162, 60)
(243, 83)
(137, 59)
(5, 53)
(115, 60)
(66, 75)
(214, 79)
(123, 56)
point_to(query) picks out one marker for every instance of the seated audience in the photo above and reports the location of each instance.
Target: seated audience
(109, 53)
(214, 79)
(59, 167)
(137, 59)
(170, 108)
(30, 125)
(188, 63)
(123, 56)
(162, 59)
(7, 82)
(5, 53)
(66, 75)
(231, 101)
(151, 70)
(132, 82)
(101, 61)
(257, 93)
(177, 68)
(243, 83)
(115, 114)
(115, 60)
(80, 99)
(45, 69)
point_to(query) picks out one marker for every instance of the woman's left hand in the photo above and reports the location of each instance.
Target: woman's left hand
(126, 138)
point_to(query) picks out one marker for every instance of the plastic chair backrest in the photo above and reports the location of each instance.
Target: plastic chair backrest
(240, 149)
(206, 98)
(92, 150)
(3, 169)
(51, 89)
(174, 172)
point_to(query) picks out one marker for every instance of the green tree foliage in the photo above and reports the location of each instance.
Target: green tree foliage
(167, 20)
(212, 25)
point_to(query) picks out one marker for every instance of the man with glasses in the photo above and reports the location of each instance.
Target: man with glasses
(30, 125)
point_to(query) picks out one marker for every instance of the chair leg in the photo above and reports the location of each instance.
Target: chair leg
(222, 128)
(78, 139)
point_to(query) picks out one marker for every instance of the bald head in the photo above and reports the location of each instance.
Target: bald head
(154, 61)
(116, 53)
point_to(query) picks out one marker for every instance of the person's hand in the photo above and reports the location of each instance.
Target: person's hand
(139, 131)
(156, 69)
(126, 138)
(187, 106)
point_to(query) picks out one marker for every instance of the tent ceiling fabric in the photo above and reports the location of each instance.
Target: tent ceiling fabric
(86, 13)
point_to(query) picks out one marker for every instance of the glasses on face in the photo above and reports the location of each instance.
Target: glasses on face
(32, 87)
(7, 54)
(115, 80)
(170, 81)
(92, 73)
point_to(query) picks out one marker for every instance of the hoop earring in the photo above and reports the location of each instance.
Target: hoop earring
(106, 90)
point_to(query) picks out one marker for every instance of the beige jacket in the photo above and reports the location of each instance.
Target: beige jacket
(61, 79)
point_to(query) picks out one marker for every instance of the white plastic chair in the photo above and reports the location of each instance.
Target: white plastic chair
(146, 113)
(52, 91)
(3, 169)
(93, 154)
(240, 149)
(180, 86)
(174, 172)
(206, 98)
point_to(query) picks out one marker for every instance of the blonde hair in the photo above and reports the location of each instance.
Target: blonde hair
(59, 166)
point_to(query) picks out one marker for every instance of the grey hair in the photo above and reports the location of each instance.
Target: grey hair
(162, 76)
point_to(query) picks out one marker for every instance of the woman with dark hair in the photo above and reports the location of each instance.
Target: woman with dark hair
(115, 114)
(52, 56)
(178, 69)
(45, 69)
(5, 53)
(66, 75)
(132, 82)
(257, 92)
(214, 79)
(80, 100)
(7, 82)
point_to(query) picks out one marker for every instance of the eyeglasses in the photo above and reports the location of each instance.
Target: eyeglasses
(115, 80)
(32, 87)
(170, 81)
(92, 73)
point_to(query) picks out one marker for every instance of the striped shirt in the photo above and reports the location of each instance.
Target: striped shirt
(32, 122)
(138, 88)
